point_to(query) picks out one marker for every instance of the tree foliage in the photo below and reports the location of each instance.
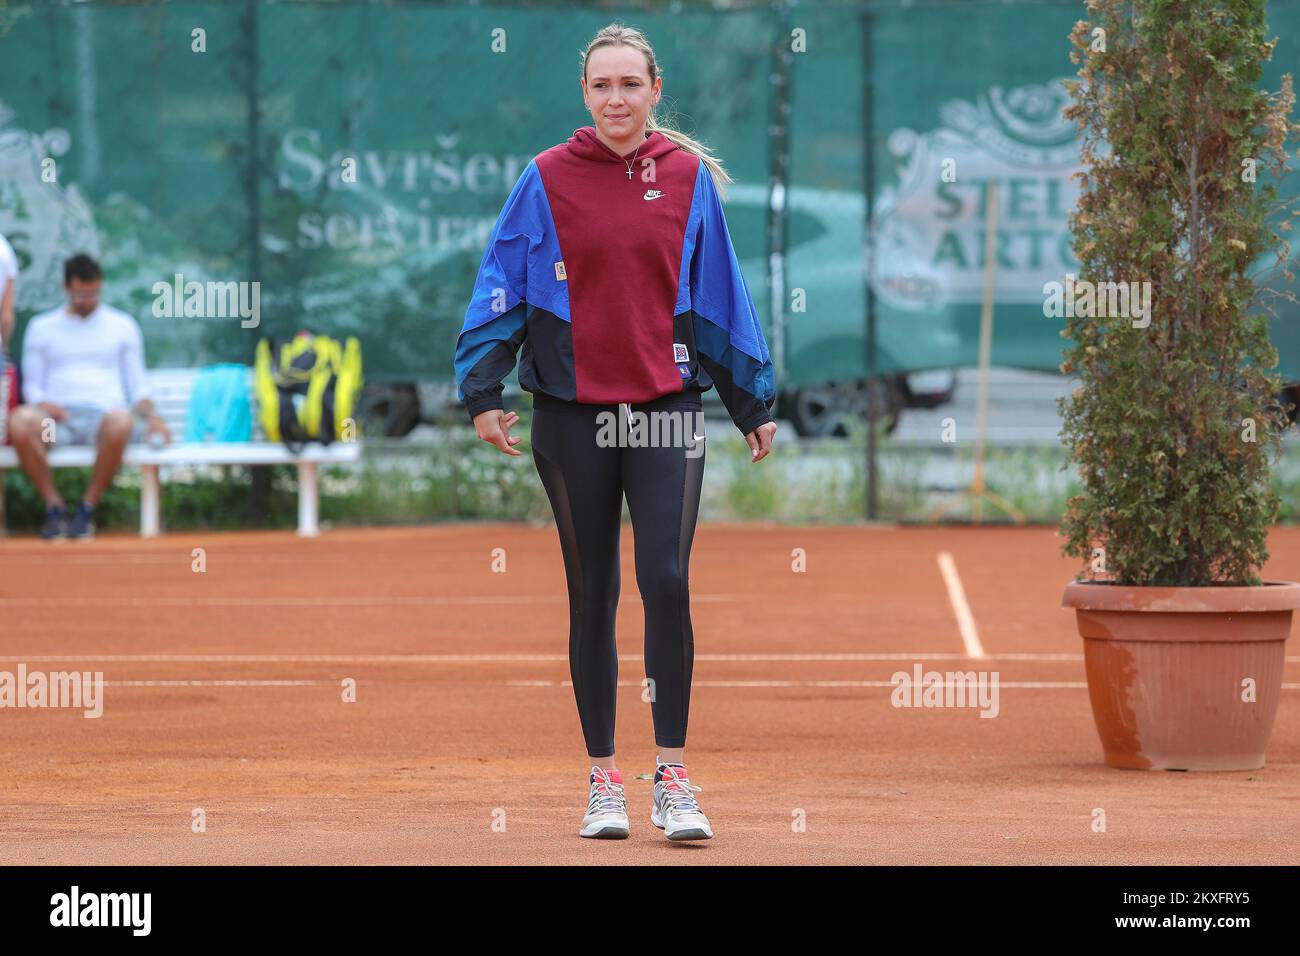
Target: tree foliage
(1173, 424)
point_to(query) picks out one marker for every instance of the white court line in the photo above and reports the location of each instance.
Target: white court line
(1021, 685)
(287, 658)
(218, 683)
(1031, 685)
(808, 683)
(503, 658)
(511, 658)
(957, 596)
(918, 656)
(343, 600)
(369, 600)
(1050, 685)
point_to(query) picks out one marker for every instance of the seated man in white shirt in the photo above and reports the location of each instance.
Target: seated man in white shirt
(82, 371)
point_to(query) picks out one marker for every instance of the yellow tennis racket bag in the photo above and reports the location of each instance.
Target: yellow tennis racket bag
(307, 388)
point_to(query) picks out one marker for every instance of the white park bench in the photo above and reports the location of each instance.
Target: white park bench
(171, 396)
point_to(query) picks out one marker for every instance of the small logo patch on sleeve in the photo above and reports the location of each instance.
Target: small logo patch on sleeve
(679, 353)
(559, 271)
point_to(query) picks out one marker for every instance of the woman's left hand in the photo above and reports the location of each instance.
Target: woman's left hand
(760, 441)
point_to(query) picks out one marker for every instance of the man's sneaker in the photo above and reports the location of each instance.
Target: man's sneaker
(606, 817)
(83, 522)
(56, 523)
(675, 810)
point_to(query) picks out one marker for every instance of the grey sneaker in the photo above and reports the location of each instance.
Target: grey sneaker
(675, 810)
(606, 817)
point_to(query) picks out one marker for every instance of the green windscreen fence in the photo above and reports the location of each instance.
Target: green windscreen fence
(351, 158)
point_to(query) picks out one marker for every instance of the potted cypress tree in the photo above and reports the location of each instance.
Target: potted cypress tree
(1174, 421)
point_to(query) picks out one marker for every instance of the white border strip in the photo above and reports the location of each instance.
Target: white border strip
(505, 658)
(514, 658)
(342, 600)
(219, 683)
(1031, 685)
(957, 596)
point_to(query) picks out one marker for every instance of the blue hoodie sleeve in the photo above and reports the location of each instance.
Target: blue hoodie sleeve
(495, 323)
(728, 336)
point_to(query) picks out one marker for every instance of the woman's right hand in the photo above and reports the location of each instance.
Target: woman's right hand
(494, 426)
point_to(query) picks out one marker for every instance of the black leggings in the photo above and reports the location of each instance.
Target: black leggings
(586, 483)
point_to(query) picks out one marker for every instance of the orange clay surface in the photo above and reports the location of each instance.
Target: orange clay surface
(225, 693)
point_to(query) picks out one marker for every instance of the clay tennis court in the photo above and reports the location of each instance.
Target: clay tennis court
(224, 693)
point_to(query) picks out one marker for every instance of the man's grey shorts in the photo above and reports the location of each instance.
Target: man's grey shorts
(82, 426)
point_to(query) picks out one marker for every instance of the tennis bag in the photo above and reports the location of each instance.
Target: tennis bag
(307, 388)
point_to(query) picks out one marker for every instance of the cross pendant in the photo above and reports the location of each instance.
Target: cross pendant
(629, 174)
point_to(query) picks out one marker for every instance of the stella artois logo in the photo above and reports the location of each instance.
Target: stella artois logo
(931, 226)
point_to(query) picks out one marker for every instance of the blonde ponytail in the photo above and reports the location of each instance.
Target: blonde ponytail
(618, 35)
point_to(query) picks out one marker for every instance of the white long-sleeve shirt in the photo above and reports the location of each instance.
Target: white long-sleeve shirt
(8, 273)
(8, 264)
(96, 361)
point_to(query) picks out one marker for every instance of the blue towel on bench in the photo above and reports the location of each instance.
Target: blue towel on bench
(219, 408)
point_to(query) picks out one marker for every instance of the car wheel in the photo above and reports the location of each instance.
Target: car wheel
(389, 410)
(825, 411)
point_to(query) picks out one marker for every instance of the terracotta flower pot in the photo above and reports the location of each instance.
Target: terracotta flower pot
(1170, 671)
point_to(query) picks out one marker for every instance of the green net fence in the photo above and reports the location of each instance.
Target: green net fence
(215, 141)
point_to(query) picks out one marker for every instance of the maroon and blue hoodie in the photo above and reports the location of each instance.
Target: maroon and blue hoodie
(618, 289)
